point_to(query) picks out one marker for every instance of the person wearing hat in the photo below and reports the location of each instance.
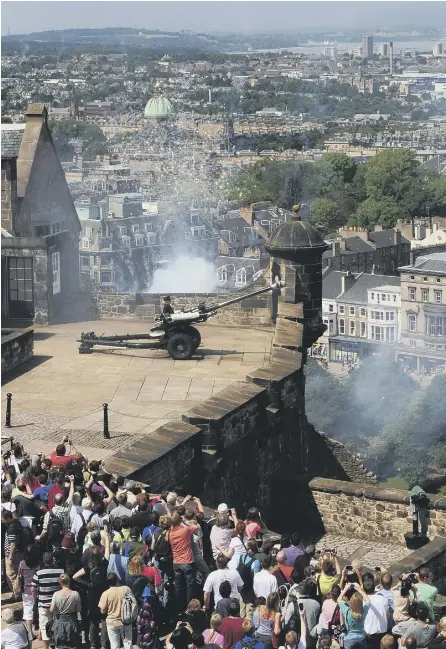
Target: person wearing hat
(167, 306)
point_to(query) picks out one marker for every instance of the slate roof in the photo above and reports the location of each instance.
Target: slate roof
(332, 283)
(237, 225)
(356, 244)
(434, 263)
(385, 238)
(11, 141)
(237, 263)
(357, 294)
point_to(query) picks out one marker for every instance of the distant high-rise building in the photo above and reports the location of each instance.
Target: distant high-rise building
(384, 49)
(437, 50)
(391, 57)
(367, 46)
(331, 51)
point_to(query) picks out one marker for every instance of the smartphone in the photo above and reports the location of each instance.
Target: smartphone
(349, 567)
(301, 606)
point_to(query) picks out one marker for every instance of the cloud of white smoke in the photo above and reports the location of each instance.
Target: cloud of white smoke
(185, 275)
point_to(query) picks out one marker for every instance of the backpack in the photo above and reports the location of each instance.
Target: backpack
(245, 572)
(293, 623)
(129, 609)
(161, 548)
(245, 645)
(147, 534)
(98, 575)
(82, 533)
(55, 529)
(334, 626)
(26, 538)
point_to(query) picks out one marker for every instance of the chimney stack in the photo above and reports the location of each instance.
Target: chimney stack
(347, 281)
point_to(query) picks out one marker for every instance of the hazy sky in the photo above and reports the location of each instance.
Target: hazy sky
(225, 15)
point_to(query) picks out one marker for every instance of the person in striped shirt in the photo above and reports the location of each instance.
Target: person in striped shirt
(45, 583)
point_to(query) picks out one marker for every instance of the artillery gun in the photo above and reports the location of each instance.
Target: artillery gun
(173, 332)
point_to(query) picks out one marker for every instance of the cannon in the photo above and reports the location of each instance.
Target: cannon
(173, 332)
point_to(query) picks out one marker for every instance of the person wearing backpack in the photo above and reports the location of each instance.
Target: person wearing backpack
(56, 521)
(249, 641)
(118, 606)
(330, 613)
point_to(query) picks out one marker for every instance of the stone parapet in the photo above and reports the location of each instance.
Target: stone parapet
(17, 347)
(373, 512)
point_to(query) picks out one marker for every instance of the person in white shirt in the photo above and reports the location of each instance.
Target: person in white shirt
(217, 577)
(80, 514)
(15, 635)
(264, 582)
(377, 618)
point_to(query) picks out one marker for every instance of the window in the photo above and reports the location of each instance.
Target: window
(55, 263)
(438, 280)
(390, 334)
(85, 243)
(198, 232)
(394, 298)
(352, 327)
(148, 227)
(240, 277)
(390, 315)
(383, 297)
(126, 241)
(331, 308)
(151, 237)
(362, 329)
(352, 310)
(342, 309)
(437, 295)
(363, 312)
(85, 261)
(373, 296)
(376, 333)
(330, 327)
(425, 294)
(135, 228)
(122, 230)
(139, 240)
(222, 274)
(106, 277)
(424, 279)
(412, 277)
(435, 325)
(88, 232)
(342, 326)
(412, 293)
(412, 343)
(412, 320)
(20, 284)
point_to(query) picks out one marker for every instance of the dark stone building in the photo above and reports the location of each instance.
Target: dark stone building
(361, 251)
(40, 226)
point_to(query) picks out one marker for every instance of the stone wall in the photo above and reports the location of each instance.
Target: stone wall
(372, 512)
(9, 192)
(432, 556)
(145, 306)
(17, 347)
(36, 249)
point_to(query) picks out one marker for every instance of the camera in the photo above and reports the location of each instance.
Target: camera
(301, 606)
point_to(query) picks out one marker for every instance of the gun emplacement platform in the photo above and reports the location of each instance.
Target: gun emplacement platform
(173, 332)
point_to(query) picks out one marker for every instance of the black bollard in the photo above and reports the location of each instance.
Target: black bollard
(106, 431)
(8, 410)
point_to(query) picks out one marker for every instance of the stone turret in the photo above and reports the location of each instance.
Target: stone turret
(296, 249)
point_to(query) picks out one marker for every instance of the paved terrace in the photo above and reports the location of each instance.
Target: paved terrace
(61, 392)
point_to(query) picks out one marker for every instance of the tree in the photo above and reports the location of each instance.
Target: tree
(324, 213)
(371, 212)
(339, 165)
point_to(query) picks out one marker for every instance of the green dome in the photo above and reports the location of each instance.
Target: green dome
(158, 107)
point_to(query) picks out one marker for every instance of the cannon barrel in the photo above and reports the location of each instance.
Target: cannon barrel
(274, 287)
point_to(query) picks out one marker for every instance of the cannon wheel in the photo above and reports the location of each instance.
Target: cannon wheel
(181, 346)
(191, 331)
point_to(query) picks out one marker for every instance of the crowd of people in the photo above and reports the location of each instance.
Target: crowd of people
(99, 560)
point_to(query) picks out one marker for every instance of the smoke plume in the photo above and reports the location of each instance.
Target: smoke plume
(184, 275)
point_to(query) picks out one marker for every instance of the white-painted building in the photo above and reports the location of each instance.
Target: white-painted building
(383, 315)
